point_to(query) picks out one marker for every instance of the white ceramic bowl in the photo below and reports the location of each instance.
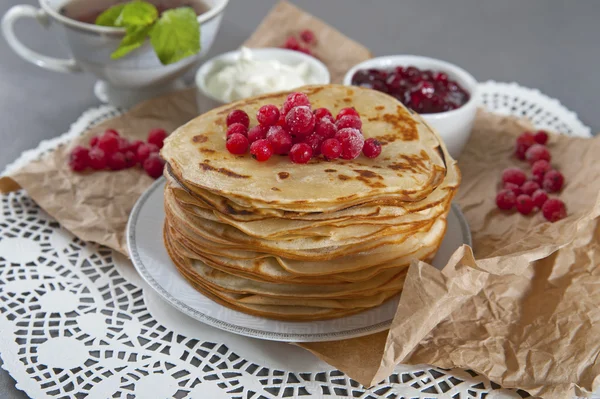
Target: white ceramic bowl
(453, 126)
(207, 101)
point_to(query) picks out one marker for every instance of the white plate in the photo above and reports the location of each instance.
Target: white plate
(145, 243)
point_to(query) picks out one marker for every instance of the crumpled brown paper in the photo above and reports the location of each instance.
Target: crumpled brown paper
(334, 49)
(95, 206)
(526, 313)
(523, 309)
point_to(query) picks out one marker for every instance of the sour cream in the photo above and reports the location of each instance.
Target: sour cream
(247, 76)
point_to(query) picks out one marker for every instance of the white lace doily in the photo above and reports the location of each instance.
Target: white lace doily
(76, 321)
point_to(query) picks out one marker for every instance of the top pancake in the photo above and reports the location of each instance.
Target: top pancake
(410, 167)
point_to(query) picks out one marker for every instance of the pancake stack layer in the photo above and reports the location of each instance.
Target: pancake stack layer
(306, 241)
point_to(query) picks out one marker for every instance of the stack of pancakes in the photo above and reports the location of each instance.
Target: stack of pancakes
(306, 241)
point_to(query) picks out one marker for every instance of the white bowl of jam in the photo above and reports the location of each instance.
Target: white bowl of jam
(444, 94)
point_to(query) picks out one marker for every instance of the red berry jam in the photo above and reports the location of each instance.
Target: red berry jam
(423, 91)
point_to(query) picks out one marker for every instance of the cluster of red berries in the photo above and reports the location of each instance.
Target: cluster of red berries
(528, 194)
(111, 151)
(307, 38)
(299, 132)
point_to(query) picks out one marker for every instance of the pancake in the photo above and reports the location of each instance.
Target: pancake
(410, 166)
(313, 241)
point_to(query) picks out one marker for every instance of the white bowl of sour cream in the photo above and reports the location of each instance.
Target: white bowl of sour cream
(247, 72)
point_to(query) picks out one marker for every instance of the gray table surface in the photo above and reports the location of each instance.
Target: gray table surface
(551, 45)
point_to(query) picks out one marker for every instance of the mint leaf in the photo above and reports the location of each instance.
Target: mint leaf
(176, 35)
(137, 13)
(134, 38)
(109, 17)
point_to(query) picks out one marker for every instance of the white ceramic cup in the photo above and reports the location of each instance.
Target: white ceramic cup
(453, 126)
(207, 101)
(90, 47)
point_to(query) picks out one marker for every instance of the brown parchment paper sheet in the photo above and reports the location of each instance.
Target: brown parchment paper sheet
(522, 309)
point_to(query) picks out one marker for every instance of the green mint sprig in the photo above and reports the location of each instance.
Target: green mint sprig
(174, 35)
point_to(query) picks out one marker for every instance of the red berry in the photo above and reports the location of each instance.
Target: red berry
(292, 43)
(540, 167)
(514, 188)
(237, 128)
(539, 197)
(157, 137)
(352, 142)
(123, 144)
(349, 121)
(554, 209)
(281, 141)
(281, 121)
(154, 166)
(331, 149)
(144, 151)
(514, 175)
(372, 148)
(539, 179)
(553, 181)
(111, 132)
(237, 144)
(94, 141)
(506, 199)
(257, 132)
(524, 141)
(130, 158)
(524, 204)
(267, 115)
(541, 137)
(537, 152)
(308, 36)
(300, 120)
(296, 99)
(345, 112)
(261, 150)
(116, 161)
(321, 113)
(314, 141)
(79, 158)
(98, 158)
(325, 129)
(301, 153)
(109, 143)
(134, 145)
(529, 187)
(238, 116)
